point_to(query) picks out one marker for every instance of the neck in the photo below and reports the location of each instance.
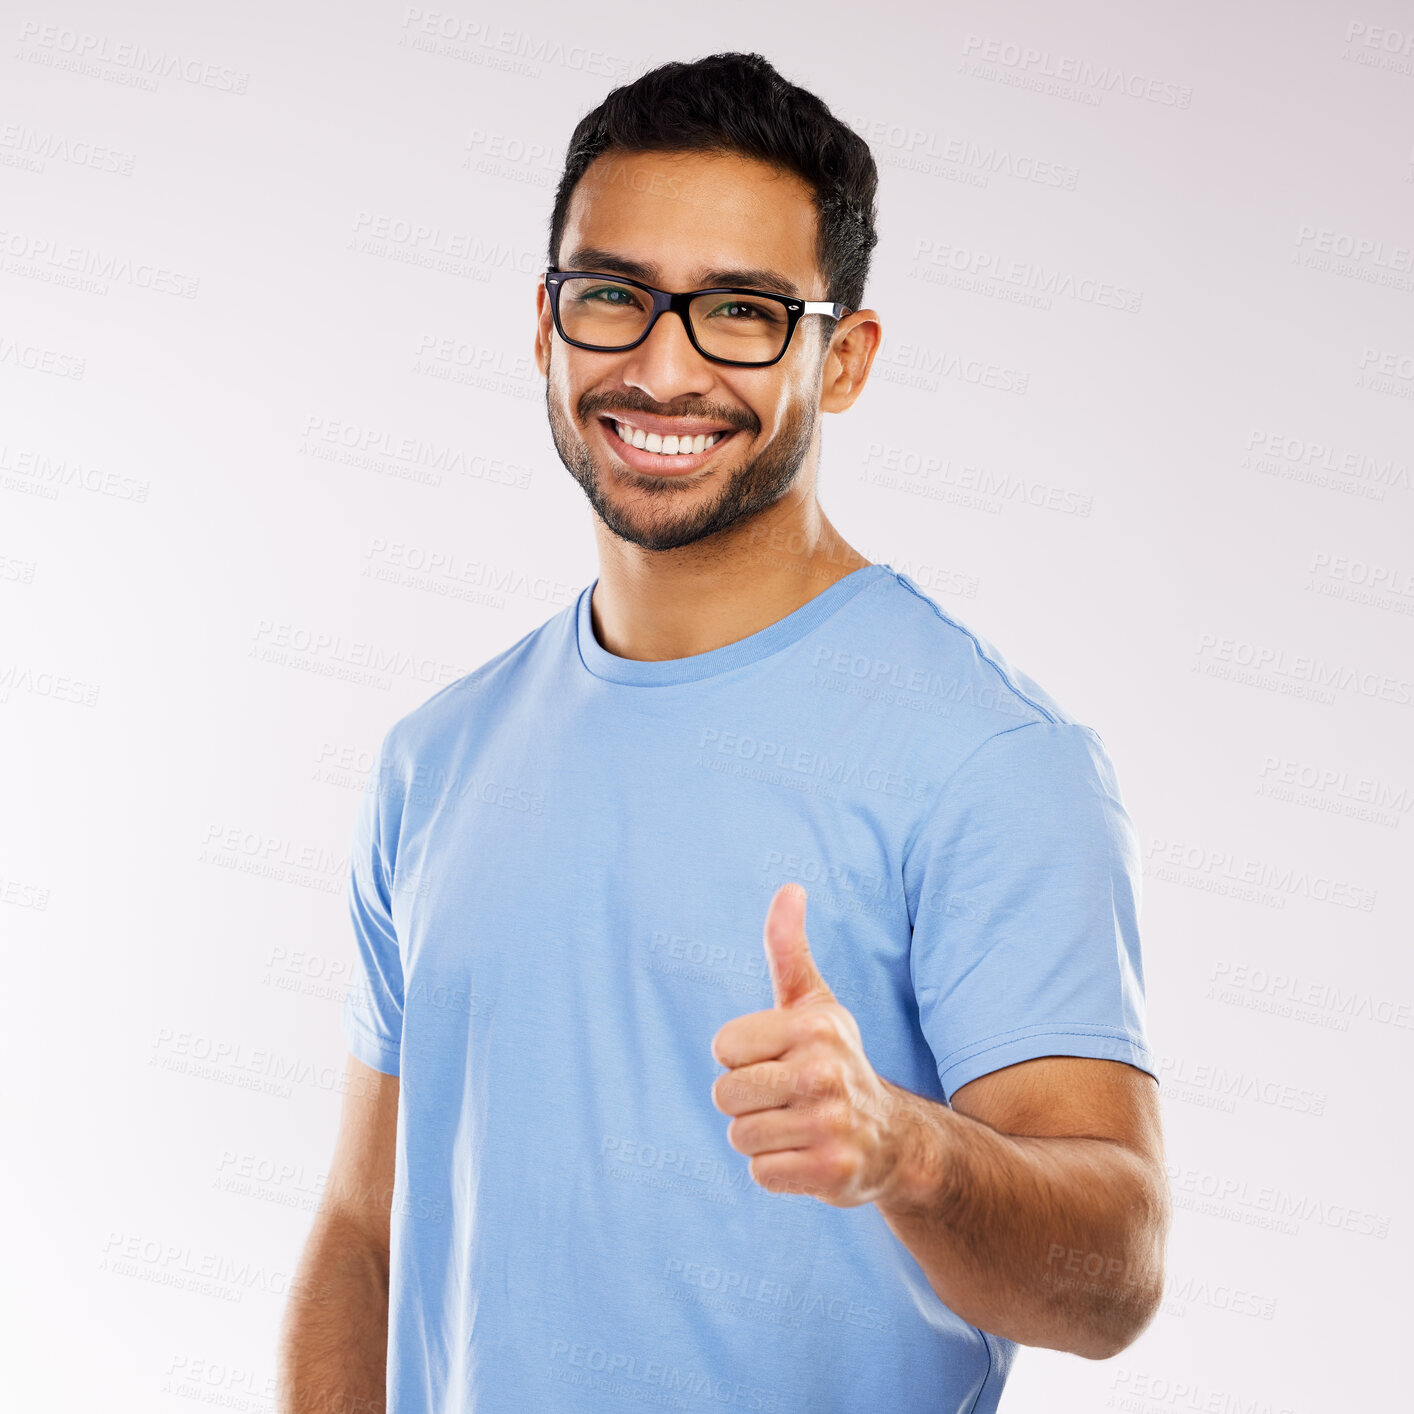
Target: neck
(653, 605)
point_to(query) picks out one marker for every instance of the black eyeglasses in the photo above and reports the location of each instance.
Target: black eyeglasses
(611, 313)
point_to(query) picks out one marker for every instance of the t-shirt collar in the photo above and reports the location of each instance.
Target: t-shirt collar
(633, 672)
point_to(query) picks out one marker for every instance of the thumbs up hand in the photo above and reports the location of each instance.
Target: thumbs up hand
(809, 1108)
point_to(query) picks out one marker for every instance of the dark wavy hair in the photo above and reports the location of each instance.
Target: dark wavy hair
(739, 103)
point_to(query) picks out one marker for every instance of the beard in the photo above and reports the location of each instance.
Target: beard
(667, 513)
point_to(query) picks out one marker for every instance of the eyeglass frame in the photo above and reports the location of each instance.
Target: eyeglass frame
(677, 302)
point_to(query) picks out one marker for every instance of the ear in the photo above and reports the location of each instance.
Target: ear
(544, 329)
(848, 359)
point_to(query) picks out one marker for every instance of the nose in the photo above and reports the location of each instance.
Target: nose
(665, 365)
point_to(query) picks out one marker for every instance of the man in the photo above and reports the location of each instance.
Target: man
(623, 1125)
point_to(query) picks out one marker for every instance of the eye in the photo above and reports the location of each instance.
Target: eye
(616, 290)
(745, 310)
(737, 309)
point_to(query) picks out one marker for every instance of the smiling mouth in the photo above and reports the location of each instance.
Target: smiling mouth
(648, 451)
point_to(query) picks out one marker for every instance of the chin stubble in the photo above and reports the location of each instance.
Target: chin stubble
(750, 489)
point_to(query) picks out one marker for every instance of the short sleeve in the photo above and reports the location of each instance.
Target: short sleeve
(1024, 886)
(373, 1006)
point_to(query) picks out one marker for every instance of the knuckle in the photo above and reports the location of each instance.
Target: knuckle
(820, 1078)
(808, 1078)
(838, 1163)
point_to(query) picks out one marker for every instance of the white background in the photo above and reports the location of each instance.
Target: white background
(268, 479)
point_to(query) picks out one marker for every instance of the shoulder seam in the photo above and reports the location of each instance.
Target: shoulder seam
(981, 652)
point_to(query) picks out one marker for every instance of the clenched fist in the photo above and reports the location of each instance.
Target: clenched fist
(807, 1105)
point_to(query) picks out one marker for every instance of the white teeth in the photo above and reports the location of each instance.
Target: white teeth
(668, 446)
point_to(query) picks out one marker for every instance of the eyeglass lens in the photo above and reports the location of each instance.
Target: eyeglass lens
(745, 328)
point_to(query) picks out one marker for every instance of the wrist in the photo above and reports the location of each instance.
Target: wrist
(918, 1176)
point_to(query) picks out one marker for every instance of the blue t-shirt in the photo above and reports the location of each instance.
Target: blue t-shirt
(560, 874)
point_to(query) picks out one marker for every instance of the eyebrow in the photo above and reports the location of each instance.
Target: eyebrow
(756, 278)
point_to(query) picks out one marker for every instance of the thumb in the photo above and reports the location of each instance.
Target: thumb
(795, 980)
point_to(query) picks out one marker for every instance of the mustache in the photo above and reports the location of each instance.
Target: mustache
(593, 404)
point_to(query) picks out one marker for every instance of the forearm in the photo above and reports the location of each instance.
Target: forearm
(334, 1338)
(1054, 1242)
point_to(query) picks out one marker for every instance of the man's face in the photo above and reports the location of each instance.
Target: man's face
(685, 221)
